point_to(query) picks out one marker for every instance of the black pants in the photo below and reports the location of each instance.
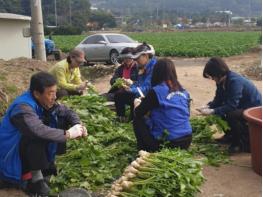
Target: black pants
(146, 141)
(33, 154)
(62, 92)
(108, 96)
(238, 129)
(121, 99)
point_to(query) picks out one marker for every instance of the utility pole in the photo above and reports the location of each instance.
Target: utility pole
(249, 11)
(70, 22)
(163, 17)
(56, 16)
(37, 30)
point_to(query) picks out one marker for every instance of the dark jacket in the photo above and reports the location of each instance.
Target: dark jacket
(119, 73)
(236, 93)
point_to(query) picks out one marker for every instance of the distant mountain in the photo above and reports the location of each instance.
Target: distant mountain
(244, 8)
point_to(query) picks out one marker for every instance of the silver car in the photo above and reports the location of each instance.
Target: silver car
(105, 47)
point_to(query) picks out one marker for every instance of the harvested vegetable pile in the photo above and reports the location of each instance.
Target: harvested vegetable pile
(203, 142)
(165, 173)
(95, 162)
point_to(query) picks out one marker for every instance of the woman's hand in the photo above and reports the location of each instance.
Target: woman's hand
(206, 111)
(128, 82)
(137, 102)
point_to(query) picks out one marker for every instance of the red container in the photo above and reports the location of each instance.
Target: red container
(254, 117)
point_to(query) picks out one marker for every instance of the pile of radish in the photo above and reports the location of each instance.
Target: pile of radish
(166, 173)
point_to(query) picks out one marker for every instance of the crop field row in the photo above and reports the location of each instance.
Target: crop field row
(184, 44)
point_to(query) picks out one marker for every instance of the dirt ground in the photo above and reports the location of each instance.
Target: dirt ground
(232, 180)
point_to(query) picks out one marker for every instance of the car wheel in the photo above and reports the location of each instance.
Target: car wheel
(114, 57)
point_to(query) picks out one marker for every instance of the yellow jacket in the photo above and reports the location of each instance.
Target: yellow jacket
(68, 79)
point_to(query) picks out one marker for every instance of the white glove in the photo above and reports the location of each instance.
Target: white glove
(203, 107)
(127, 88)
(84, 131)
(207, 111)
(137, 102)
(128, 82)
(82, 86)
(75, 131)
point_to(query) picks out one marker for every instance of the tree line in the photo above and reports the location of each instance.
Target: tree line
(70, 16)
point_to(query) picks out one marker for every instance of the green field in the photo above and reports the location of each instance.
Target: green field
(184, 44)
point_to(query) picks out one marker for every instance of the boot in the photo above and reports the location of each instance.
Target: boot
(39, 188)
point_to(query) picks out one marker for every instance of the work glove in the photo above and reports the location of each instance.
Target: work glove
(82, 86)
(127, 88)
(207, 111)
(137, 102)
(84, 131)
(76, 131)
(203, 107)
(128, 82)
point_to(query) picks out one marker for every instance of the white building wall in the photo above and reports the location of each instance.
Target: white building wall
(12, 42)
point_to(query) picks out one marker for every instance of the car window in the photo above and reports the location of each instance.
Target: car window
(119, 39)
(93, 40)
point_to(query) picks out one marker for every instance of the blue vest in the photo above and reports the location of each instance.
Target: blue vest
(172, 114)
(10, 163)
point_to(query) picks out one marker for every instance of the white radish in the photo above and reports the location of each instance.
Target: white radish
(132, 170)
(116, 193)
(115, 185)
(144, 153)
(130, 175)
(141, 161)
(118, 188)
(127, 184)
(118, 181)
(123, 178)
(135, 164)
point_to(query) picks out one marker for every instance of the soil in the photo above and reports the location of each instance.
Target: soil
(232, 180)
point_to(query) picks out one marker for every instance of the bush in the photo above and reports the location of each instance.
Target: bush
(63, 30)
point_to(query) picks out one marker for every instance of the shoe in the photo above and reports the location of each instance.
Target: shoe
(226, 139)
(39, 188)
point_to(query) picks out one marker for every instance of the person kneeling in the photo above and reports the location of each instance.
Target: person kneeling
(234, 94)
(68, 76)
(33, 130)
(168, 104)
(144, 56)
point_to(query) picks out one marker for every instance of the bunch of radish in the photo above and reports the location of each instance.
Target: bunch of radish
(165, 173)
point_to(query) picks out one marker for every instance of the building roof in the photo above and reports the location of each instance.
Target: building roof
(14, 16)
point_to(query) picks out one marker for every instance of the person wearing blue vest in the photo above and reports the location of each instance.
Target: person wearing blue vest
(162, 117)
(234, 94)
(33, 130)
(143, 54)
